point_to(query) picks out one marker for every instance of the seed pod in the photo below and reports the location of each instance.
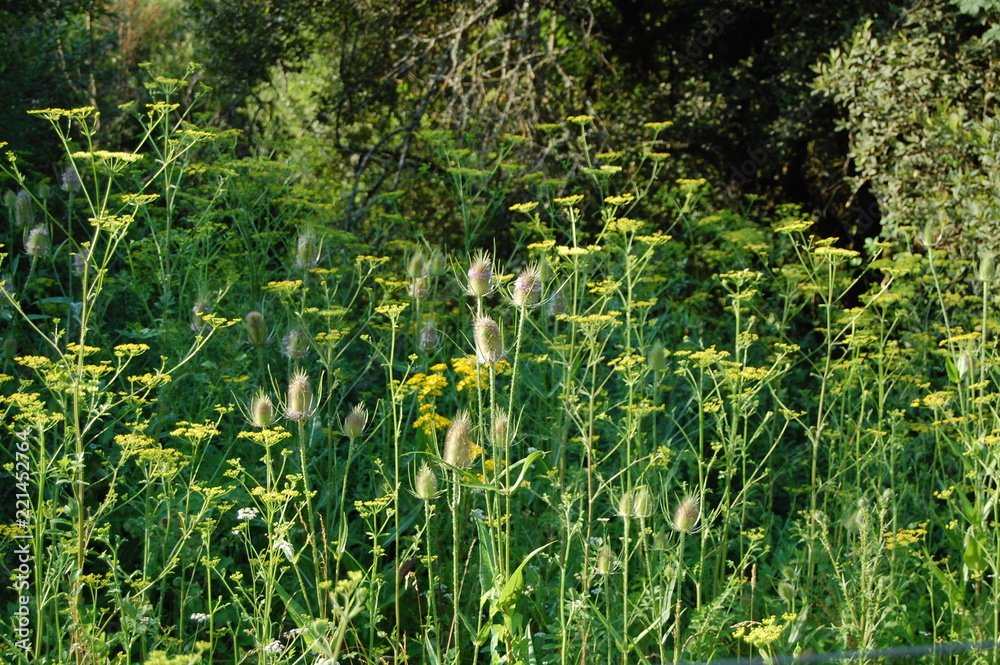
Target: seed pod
(256, 328)
(527, 287)
(425, 485)
(261, 410)
(355, 422)
(458, 441)
(489, 341)
(437, 264)
(299, 403)
(480, 275)
(38, 243)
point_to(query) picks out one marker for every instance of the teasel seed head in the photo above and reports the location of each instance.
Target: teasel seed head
(295, 344)
(605, 564)
(527, 287)
(642, 502)
(425, 486)
(298, 406)
(687, 515)
(656, 356)
(256, 328)
(261, 410)
(480, 275)
(37, 244)
(307, 253)
(458, 441)
(24, 209)
(356, 421)
(429, 336)
(489, 341)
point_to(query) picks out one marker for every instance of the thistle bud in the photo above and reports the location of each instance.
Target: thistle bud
(37, 244)
(642, 502)
(256, 328)
(605, 564)
(425, 486)
(480, 275)
(489, 341)
(261, 410)
(355, 422)
(299, 403)
(429, 337)
(458, 441)
(198, 313)
(24, 209)
(656, 356)
(527, 287)
(295, 344)
(70, 180)
(307, 254)
(687, 515)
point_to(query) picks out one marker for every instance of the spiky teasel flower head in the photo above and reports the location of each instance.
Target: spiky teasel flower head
(458, 441)
(437, 264)
(307, 252)
(356, 421)
(605, 564)
(501, 429)
(489, 341)
(480, 275)
(642, 502)
(417, 267)
(687, 515)
(299, 405)
(425, 485)
(429, 336)
(37, 242)
(295, 344)
(24, 209)
(625, 504)
(256, 328)
(261, 410)
(528, 287)
(198, 313)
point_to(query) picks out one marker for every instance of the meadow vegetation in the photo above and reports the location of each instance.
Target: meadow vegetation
(631, 427)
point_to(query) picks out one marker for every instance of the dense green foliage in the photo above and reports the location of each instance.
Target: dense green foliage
(446, 332)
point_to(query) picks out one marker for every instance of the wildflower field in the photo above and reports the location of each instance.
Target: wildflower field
(602, 420)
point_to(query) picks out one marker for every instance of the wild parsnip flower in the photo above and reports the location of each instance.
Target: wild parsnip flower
(299, 403)
(37, 244)
(355, 422)
(261, 410)
(425, 485)
(687, 515)
(489, 341)
(481, 275)
(528, 287)
(295, 344)
(458, 441)
(256, 328)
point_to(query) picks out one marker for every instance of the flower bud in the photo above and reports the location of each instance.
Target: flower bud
(10, 198)
(417, 267)
(355, 422)
(295, 344)
(527, 287)
(458, 441)
(256, 328)
(481, 275)
(299, 403)
(642, 502)
(501, 430)
(438, 264)
(261, 410)
(489, 341)
(625, 505)
(686, 515)
(605, 564)
(37, 244)
(307, 254)
(24, 209)
(425, 485)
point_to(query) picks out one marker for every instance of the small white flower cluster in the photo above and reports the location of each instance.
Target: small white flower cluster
(199, 617)
(274, 646)
(247, 514)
